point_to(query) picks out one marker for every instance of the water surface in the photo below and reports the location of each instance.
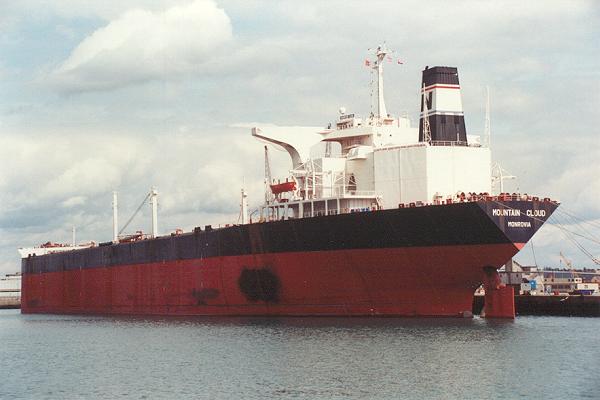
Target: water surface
(58, 357)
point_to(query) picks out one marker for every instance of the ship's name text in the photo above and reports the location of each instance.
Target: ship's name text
(510, 212)
(536, 213)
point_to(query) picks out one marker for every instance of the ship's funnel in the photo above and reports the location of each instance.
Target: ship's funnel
(444, 106)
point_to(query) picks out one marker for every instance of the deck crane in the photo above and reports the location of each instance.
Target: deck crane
(499, 174)
(152, 195)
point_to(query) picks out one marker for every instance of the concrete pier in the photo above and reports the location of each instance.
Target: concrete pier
(10, 302)
(570, 306)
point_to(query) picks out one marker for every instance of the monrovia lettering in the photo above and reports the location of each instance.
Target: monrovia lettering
(519, 224)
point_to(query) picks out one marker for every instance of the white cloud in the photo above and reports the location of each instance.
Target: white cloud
(143, 45)
(90, 175)
(74, 201)
(69, 9)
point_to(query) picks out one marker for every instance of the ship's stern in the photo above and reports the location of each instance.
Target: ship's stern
(519, 218)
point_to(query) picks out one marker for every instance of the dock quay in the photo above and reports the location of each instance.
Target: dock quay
(10, 291)
(10, 302)
(551, 305)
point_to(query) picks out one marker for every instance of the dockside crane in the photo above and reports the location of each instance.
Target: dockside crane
(569, 264)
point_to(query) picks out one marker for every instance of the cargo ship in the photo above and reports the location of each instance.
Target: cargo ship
(388, 220)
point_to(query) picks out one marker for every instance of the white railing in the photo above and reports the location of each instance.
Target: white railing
(454, 143)
(473, 197)
(357, 193)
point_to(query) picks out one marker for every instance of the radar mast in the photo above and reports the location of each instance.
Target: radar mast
(380, 53)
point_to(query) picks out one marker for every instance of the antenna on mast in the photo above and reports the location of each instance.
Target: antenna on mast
(244, 207)
(487, 138)
(381, 53)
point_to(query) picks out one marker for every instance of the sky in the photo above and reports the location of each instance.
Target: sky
(97, 96)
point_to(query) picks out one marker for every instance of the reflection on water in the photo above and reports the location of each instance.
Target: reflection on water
(331, 358)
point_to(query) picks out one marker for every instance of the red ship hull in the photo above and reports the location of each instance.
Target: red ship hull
(388, 282)
(421, 261)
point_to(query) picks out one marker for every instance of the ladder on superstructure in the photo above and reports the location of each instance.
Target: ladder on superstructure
(426, 126)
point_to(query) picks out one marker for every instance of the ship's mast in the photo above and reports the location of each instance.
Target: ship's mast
(488, 128)
(380, 53)
(154, 202)
(115, 219)
(244, 207)
(377, 65)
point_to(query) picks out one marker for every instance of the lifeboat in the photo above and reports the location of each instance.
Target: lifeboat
(287, 186)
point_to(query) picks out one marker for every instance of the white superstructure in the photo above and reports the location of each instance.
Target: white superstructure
(383, 161)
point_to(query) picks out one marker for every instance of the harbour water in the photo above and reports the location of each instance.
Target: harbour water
(58, 357)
